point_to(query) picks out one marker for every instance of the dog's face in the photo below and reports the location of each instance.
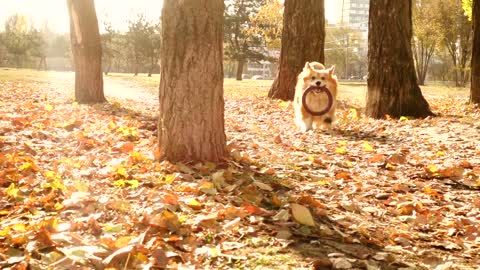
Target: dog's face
(317, 76)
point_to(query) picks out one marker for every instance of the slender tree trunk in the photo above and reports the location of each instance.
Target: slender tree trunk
(109, 66)
(303, 40)
(475, 77)
(191, 120)
(136, 68)
(422, 55)
(18, 61)
(240, 66)
(87, 51)
(152, 65)
(42, 63)
(392, 83)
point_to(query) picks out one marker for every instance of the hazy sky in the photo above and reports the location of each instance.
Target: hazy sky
(55, 11)
(115, 11)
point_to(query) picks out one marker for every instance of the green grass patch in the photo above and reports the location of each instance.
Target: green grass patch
(232, 87)
(352, 91)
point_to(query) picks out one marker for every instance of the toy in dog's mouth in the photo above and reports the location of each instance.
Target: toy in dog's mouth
(317, 90)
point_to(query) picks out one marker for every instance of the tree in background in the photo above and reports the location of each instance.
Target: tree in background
(425, 29)
(467, 6)
(303, 39)
(392, 83)
(144, 40)
(137, 38)
(241, 43)
(109, 52)
(346, 49)
(475, 81)
(268, 23)
(456, 33)
(152, 48)
(191, 118)
(87, 51)
(39, 46)
(17, 38)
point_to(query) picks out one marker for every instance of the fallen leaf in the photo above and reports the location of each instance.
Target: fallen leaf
(302, 215)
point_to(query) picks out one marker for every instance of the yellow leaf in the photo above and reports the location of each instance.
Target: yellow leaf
(170, 178)
(48, 107)
(302, 215)
(58, 206)
(353, 113)
(403, 118)
(141, 257)
(12, 191)
(194, 204)
(112, 125)
(283, 104)
(367, 147)
(431, 168)
(123, 241)
(390, 166)
(121, 171)
(5, 232)
(440, 153)
(208, 188)
(341, 150)
(19, 227)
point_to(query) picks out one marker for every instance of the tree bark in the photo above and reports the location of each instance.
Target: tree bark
(240, 65)
(87, 51)
(191, 120)
(475, 78)
(392, 83)
(152, 65)
(42, 63)
(303, 40)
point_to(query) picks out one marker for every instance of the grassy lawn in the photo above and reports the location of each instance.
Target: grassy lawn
(232, 87)
(355, 91)
(352, 91)
(31, 75)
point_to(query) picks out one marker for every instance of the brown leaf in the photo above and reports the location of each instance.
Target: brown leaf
(302, 215)
(167, 220)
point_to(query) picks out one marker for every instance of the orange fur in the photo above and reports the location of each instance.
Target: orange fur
(314, 73)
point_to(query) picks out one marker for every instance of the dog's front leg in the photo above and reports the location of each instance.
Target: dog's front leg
(304, 123)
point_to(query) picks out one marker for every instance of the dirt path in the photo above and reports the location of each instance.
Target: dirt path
(113, 87)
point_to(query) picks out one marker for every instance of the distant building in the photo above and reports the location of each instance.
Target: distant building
(353, 13)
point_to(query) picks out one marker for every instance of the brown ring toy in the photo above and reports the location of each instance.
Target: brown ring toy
(322, 89)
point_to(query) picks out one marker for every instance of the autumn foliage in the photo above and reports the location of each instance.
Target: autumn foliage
(80, 186)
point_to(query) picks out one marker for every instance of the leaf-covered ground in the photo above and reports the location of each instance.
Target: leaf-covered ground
(80, 188)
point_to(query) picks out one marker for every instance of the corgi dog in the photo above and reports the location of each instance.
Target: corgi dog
(315, 74)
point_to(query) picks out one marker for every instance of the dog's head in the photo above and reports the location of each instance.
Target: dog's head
(315, 74)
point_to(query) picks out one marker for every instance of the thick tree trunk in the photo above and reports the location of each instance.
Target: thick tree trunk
(475, 78)
(303, 40)
(392, 83)
(87, 51)
(240, 65)
(191, 121)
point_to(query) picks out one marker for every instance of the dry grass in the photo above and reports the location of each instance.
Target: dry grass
(352, 91)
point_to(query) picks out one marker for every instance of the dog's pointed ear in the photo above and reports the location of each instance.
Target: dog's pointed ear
(331, 70)
(307, 66)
